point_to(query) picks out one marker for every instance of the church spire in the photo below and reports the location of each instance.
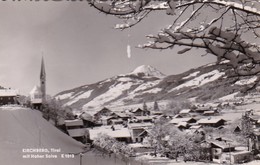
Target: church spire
(43, 81)
(43, 74)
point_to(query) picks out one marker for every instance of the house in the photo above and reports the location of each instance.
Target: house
(103, 112)
(138, 131)
(116, 131)
(212, 122)
(75, 129)
(140, 112)
(87, 120)
(8, 96)
(104, 115)
(202, 109)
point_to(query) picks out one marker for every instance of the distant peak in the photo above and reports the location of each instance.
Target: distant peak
(147, 71)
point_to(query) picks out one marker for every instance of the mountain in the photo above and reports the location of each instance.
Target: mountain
(145, 83)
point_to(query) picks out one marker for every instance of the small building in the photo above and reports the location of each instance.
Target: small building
(212, 122)
(116, 131)
(138, 131)
(140, 112)
(75, 129)
(8, 96)
(36, 98)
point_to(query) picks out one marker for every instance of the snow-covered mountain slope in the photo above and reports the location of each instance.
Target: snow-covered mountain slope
(147, 71)
(146, 83)
(22, 129)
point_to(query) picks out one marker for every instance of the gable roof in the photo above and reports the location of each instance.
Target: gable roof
(178, 120)
(210, 120)
(76, 122)
(117, 133)
(184, 111)
(8, 92)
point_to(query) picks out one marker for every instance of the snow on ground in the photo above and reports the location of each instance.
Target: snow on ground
(246, 81)
(111, 94)
(148, 71)
(124, 79)
(82, 96)
(154, 90)
(146, 85)
(191, 75)
(201, 80)
(22, 128)
(65, 96)
(165, 161)
(228, 97)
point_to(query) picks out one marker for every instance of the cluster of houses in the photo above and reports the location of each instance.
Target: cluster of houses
(133, 126)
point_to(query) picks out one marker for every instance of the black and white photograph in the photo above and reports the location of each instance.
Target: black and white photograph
(130, 82)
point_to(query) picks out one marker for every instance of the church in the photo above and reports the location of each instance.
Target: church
(38, 93)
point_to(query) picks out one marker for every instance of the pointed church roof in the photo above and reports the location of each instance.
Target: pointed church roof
(42, 74)
(36, 90)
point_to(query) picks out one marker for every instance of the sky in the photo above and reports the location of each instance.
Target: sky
(79, 44)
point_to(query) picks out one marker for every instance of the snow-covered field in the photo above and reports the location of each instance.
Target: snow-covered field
(22, 129)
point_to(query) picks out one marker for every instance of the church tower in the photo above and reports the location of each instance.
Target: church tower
(43, 81)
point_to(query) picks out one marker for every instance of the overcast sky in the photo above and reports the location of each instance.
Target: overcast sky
(79, 45)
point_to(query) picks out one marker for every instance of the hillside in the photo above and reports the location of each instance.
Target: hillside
(145, 83)
(22, 128)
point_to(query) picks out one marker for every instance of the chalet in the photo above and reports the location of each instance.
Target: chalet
(202, 109)
(138, 131)
(8, 96)
(104, 115)
(123, 115)
(225, 152)
(87, 120)
(212, 122)
(103, 112)
(140, 112)
(118, 132)
(75, 129)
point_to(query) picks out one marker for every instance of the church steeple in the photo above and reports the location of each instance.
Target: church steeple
(43, 81)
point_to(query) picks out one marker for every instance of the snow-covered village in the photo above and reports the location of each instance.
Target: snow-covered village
(77, 87)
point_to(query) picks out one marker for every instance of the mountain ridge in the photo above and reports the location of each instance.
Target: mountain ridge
(208, 82)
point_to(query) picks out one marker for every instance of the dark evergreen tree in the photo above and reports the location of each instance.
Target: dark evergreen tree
(156, 106)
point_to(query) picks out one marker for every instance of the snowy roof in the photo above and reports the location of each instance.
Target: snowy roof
(77, 132)
(8, 92)
(209, 120)
(143, 117)
(178, 120)
(208, 112)
(119, 132)
(139, 125)
(76, 122)
(185, 111)
(195, 127)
